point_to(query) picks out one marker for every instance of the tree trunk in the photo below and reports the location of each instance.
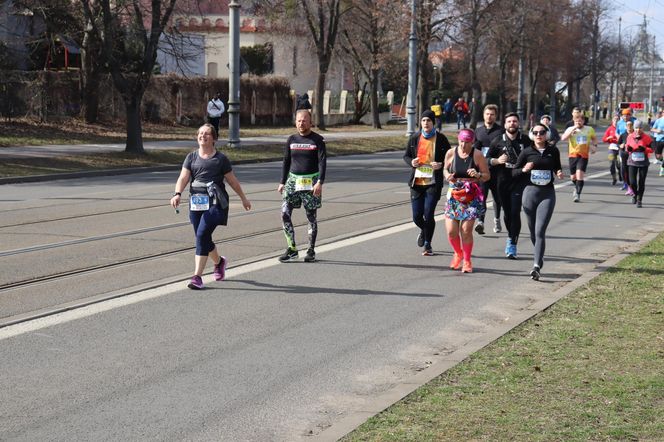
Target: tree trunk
(134, 127)
(320, 91)
(374, 99)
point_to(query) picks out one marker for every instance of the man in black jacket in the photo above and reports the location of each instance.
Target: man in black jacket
(502, 157)
(484, 136)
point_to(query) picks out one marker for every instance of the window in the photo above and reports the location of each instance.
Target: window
(212, 70)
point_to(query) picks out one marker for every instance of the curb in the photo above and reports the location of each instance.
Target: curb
(390, 397)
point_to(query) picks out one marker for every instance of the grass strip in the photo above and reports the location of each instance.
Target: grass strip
(591, 367)
(13, 167)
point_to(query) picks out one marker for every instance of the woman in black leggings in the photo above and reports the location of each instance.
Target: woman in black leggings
(536, 167)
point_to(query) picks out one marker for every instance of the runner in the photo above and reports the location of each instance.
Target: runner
(502, 156)
(623, 155)
(611, 137)
(535, 168)
(205, 170)
(658, 144)
(638, 147)
(555, 137)
(302, 178)
(582, 140)
(464, 168)
(484, 135)
(425, 154)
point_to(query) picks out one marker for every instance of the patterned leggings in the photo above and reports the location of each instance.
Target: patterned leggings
(289, 231)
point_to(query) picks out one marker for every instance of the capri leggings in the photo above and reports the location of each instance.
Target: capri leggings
(289, 231)
(538, 204)
(204, 223)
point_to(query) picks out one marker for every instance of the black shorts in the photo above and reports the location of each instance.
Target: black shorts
(577, 163)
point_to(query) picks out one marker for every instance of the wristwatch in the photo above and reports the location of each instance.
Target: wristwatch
(177, 193)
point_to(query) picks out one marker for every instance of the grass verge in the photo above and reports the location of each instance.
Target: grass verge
(13, 167)
(591, 367)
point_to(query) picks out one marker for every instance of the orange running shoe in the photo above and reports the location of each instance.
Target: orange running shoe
(467, 267)
(456, 262)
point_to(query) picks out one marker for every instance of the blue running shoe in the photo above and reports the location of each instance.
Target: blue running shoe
(510, 249)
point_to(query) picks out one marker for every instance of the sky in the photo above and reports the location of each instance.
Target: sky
(632, 12)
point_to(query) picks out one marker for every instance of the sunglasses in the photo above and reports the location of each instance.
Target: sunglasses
(539, 132)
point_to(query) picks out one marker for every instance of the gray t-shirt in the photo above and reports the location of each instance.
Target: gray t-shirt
(205, 170)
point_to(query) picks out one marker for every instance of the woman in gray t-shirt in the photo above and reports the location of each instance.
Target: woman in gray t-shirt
(205, 170)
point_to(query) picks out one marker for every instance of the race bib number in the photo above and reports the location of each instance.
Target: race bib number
(304, 183)
(614, 146)
(638, 156)
(540, 177)
(485, 151)
(581, 139)
(424, 172)
(198, 203)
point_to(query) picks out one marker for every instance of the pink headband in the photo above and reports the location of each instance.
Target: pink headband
(466, 135)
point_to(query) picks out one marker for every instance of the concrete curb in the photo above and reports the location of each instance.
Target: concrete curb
(445, 362)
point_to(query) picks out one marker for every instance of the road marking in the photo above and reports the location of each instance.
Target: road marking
(123, 301)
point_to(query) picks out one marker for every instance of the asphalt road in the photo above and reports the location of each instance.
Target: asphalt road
(277, 351)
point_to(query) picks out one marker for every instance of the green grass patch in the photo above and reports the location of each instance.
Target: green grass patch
(13, 167)
(591, 367)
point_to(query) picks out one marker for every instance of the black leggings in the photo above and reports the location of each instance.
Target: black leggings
(637, 180)
(538, 205)
(510, 200)
(423, 201)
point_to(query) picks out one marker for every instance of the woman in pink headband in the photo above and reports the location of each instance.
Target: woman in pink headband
(463, 169)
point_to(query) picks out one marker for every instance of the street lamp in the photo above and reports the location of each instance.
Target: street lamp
(412, 70)
(234, 78)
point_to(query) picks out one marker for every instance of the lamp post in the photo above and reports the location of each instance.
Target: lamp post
(234, 78)
(412, 70)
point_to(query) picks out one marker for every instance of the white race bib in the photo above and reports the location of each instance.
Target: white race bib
(581, 139)
(198, 203)
(304, 183)
(614, 146)
(638, 156)
(424, 172)
(485, 151)
(540, 177)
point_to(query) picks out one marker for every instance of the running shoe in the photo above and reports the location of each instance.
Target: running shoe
(428, 251)
(467, 267)
(629, 192)
(576, 198)
(639, 204)
(220, 269)
(289, 255)
(196, 283)
(510, 250)
(661, 171)
(455, 264)
(624, 186)
(508, 245)
(311, 255)
(420, 239)
(535, 273)
(633, 200)
(497, 228)
(479, 228)
(614, 180)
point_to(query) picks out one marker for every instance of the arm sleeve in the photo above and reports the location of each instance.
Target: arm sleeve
(322, 160)
(287, 161)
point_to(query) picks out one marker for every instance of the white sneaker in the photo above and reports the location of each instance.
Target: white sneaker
(497, 228)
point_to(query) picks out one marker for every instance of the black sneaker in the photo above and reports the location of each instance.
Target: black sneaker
(639, 204)
(535, 273)
(289, 255)
(479, 228)
(311, 256)
(420, 239)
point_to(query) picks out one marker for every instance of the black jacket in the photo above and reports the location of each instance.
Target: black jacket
(440, 149)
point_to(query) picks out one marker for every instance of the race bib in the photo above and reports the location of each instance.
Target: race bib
(581, 139)
(540, 177)
(485, 151)
(198, 203)
(424, 172)
(638, 156)
(614, 146)
(304, 183)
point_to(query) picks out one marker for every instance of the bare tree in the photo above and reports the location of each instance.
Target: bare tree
(129, 33)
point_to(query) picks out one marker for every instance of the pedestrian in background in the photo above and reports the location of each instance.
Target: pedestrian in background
(215, 109)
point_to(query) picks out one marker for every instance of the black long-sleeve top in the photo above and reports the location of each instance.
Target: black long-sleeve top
(484, 136)
(549, 159)
(512, 148)
(304, 155)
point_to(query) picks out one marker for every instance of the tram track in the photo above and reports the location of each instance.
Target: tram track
(130, 261)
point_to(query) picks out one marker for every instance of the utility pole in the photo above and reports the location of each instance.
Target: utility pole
(412, 70)
(618, 64)
(652, 72)
(234, 78)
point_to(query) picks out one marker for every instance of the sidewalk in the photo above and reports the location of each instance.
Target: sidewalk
(79, 149)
